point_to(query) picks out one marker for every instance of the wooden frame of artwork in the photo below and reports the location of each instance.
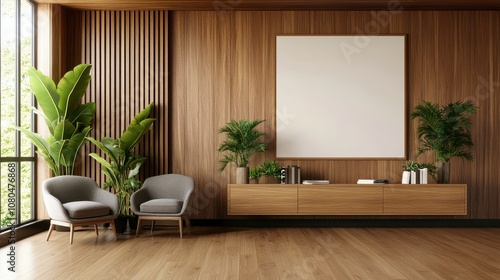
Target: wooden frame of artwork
(341, 96)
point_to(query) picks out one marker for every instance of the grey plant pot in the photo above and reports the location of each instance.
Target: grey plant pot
(443, 172)
(242, 175)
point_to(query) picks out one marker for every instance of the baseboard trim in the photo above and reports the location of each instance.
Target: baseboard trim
(347, 223)
(24, 231)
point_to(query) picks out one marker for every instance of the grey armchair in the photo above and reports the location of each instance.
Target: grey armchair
(163, 197)
(73, 201)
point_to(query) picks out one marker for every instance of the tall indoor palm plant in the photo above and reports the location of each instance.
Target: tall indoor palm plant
(68, 121)
(242, 141)
(446, 131)
(122, 164)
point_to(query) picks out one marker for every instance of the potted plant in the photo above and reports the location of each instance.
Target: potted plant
(242, 141)
(254, 174)
(267, 168)
(446, 131)
(122, 164)
(270, 169)
(68, 121)
(411, 165)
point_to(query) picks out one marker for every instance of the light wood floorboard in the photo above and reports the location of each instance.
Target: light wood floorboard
(261, 253)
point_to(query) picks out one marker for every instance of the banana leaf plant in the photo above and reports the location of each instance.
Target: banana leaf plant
(68, 121)
(122, 164)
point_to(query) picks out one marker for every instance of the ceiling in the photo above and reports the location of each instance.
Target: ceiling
(249, 5)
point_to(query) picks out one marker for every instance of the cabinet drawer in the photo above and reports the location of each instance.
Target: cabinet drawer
(262, 199)
(340, 200)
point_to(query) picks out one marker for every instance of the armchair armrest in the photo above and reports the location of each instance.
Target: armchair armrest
(55, 209)
(108, 199)
(137, 198)
(186, 200)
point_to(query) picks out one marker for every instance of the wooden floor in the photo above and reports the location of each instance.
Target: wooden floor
(262, 253)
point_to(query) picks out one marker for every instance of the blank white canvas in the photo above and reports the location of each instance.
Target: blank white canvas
(340, 96)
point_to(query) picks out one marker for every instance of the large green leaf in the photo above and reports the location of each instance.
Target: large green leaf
(100, 160)
(133, 134)
(72, 87)
(107, 146)
(107, 169)
(45, 92)
(70, 150)
(143, 114)
(55, 151)
(49, 160)
(64, 130)
(84, 114)
(36, 139)
(135, 166)
(49, 124)
(43, 147)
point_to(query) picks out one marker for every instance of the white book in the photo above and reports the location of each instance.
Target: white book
(373, 181)
(423, 175)
(406, 177)
(366, 181)
(413, 177)
(315, 182)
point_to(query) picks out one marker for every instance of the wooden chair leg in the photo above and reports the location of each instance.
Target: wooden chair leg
(96, 230)
(71, 231)
(112, 223)
(50, 230)
(180, 226)
(138, 226)
(152, 226)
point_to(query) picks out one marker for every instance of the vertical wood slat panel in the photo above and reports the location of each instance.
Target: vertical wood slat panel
(126, 51)
(192, 116)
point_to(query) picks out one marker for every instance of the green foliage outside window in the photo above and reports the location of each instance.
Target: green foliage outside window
(15, 107)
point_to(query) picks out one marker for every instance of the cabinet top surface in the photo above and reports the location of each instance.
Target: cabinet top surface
(347, 185)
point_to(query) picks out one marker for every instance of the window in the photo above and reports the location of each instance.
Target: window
(16, 101)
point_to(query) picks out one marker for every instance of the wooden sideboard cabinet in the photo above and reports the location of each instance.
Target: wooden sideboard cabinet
(347, 199)
(438, 199)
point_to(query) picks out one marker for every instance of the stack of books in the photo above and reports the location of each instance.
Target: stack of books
(415, 177)
(373, 181)
(290, 175)
(316, 182)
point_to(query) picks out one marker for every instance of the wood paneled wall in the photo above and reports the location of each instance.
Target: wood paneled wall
(223, 68)
(129, 56)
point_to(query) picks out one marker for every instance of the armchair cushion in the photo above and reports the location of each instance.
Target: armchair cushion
(162, 205)
(86, 209)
